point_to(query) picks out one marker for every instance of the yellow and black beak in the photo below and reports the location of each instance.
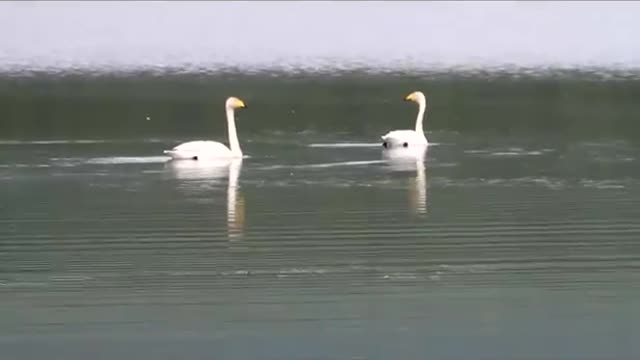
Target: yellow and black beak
(241, 104)
(410, 97)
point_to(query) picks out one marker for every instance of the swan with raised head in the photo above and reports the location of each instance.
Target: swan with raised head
(409, 138)
(204, 149)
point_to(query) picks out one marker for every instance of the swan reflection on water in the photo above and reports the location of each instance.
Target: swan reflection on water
(200, 174)
(411, 159)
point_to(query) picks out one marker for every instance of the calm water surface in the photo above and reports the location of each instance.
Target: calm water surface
(317, 246)
(514, 237)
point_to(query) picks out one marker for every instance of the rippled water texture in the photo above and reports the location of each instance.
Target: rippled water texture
(318, 249)
(515, 236)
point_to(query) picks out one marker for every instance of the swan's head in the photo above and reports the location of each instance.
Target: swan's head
(416, 96)
(234, 103)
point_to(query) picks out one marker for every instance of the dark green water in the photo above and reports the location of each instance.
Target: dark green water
(594, 103)
(516, 237)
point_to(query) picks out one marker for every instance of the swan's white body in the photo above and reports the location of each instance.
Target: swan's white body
(200, 150)
(409, 138)
(404, 138)
(205, 149)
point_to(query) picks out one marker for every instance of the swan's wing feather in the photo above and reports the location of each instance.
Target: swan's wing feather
(399, 137)
(199, 149)
(200, 145)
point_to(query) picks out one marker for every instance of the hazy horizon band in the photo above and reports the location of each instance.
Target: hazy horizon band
(317, 35)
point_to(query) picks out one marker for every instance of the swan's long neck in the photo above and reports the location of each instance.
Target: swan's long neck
(234, 145)
(420, 118)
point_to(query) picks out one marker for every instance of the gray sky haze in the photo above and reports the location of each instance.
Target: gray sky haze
(316, 34)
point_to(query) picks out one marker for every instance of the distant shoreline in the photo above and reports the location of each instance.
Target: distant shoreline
(612, 72)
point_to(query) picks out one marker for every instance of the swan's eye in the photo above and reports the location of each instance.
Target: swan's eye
(384, 144)
(405, 144)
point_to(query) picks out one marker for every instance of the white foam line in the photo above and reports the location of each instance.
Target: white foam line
(110, 160)
(127, 160)
(24, 165)
(341, 164)
(48, 142)
(516, 153)
(323, 165)
(80, 141)
(341, 145)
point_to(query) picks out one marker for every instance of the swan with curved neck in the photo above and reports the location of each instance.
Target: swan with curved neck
(409, 138)
(203, 149)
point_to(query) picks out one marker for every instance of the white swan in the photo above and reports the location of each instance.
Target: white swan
(409, 138)
(197, 150)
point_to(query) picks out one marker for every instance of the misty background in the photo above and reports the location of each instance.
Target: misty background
(313, 35)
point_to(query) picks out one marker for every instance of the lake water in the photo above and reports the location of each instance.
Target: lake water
(515, 237)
